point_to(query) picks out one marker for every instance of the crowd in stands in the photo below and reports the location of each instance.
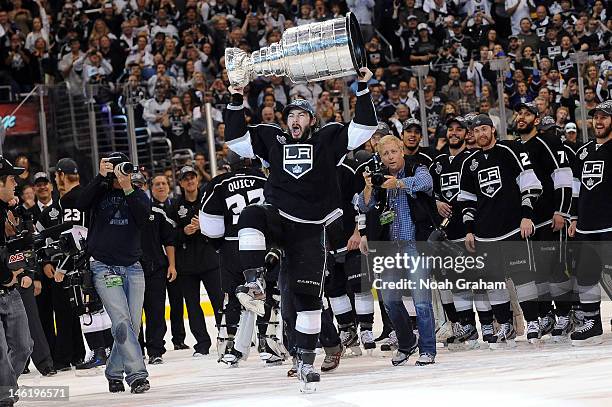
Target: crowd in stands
(169, 54)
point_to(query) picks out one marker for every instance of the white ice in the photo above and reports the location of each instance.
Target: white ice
(547, 375)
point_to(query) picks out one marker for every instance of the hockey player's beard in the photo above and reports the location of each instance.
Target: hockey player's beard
(526, 130)
(457, 145)
(605, 134)
(296, 130)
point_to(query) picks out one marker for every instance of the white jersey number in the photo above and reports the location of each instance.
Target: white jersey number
(237, 202)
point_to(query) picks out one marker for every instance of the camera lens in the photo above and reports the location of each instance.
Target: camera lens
(125, 168)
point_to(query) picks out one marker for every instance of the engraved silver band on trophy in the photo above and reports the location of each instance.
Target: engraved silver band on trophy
(308, 53)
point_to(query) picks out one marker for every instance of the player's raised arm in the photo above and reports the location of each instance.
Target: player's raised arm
(364, 124)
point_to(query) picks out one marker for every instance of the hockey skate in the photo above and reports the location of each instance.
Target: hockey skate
(230, 356)
(445, 331)
(488, 330)
(367, 339)
(450, 340)
(350, 341)
(533, 332)
(332, 358)
(504, 338)
(390, 343)
(306, 373)
(252, 294)
(562, 329)
(294, 367)
(547, 324)
(591, 331)
(270, 351)
(466, 338)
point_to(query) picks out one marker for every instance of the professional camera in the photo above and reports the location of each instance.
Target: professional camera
(70, 247)
(24, 249)
(378, 172)
(122, 162)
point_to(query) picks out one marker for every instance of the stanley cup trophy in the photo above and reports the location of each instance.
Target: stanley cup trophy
(308, 53)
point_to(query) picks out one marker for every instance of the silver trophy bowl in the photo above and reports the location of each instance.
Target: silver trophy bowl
(308, 53)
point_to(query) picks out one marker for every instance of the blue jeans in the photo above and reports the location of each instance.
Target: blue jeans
(123, 303)
(422, 303)
(15, 341)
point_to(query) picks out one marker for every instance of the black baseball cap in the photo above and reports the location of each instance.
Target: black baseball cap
(605, 107)
(412, 122)
(393, 86)
(459, 120)
(188, 169)
(6, 168)
(67, 166)
(382, 128)
(138, 179)
(481, 120)
(41, 176)
(530, 106)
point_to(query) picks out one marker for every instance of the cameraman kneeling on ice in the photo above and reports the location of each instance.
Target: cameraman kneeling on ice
(15, 341)
(119, 214)
(392, 213)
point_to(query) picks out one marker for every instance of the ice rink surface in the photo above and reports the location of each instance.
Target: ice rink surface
(544, 375)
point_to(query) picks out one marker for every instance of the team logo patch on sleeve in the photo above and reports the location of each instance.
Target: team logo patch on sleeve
(297, 159)
(592, 174)
(449, 185)
(489, 180)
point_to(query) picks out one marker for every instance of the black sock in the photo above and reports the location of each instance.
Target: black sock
(108, 338)
(545, 307)
(502, 312)
(95, 340)
(530, 310)
(485, 317)
(451, 312)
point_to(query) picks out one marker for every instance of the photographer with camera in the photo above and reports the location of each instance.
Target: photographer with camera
(119, 216)
(15, 341)
(390, 201)
(67, 289)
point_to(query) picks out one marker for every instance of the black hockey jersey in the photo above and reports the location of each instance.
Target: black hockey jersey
(302, 182)
(225, 197)
(498, 187)
(446, 174)
(594, 170)
(424, 156)
(551, 165)
(351, 183)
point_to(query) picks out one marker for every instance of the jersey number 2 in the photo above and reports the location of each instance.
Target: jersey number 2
(237, 202)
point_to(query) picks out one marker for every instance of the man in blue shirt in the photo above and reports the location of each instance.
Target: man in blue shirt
(397, 214)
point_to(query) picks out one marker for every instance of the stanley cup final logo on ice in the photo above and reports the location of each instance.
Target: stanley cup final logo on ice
(308, 53)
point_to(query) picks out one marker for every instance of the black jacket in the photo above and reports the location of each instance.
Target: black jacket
(194, 253)
(114, 236)
(5, 274)
(159, 232)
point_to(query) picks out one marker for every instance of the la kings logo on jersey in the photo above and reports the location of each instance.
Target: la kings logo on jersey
(297, 159)
(592, 174)
(489, 180)
(449, 185)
